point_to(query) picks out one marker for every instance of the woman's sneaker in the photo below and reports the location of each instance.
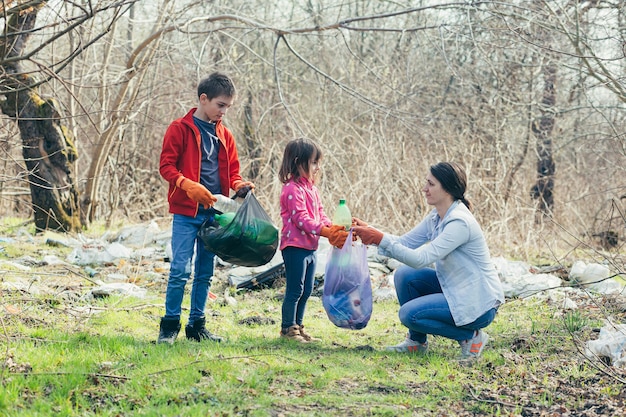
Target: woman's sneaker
(409, 346)
(472, 348)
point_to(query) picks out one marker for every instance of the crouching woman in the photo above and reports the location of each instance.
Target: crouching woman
(461, 295)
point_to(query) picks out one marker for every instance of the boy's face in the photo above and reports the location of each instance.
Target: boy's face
(214, 109)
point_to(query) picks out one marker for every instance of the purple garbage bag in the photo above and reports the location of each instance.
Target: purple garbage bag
(347, 296)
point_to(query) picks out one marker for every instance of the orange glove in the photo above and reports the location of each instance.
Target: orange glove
(197, 192)
(242, 188)
(239, 184)
(358, 222)
(368, 235)
(336, 235)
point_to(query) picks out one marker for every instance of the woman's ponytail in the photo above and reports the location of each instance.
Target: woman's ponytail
(467, 203)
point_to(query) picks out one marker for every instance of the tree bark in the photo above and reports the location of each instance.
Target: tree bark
(48, 151)
(254, 151)
(543, 190)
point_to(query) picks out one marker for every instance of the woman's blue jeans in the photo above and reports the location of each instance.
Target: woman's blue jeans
(185, 241)
(300, 275)
(424, 309)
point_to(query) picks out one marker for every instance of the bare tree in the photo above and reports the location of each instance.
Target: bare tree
(387, 90)
(48, 149)
(543, 190)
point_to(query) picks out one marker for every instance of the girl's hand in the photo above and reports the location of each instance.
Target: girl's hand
(335, 234)
(368, 235)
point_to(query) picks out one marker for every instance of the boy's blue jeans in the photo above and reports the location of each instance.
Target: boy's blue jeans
(424, 309)
(184, 241)
(300, 275)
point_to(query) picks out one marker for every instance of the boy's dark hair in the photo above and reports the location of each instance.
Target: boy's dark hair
(453, 179)
(298, 153)
(215, 85)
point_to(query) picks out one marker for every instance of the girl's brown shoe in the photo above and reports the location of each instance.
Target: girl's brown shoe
(293, 333)
(308, 337)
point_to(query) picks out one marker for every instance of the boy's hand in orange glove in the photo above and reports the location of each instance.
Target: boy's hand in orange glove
(197, 192)
(368, 235)
(336, 235)
(242, 188)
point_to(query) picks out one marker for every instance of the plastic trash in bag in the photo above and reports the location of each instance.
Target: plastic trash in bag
(249, 239)
(347, 296)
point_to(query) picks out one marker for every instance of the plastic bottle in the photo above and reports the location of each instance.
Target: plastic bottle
(342, 215)
(225, 218)
(232, 229)
(267, 233)
(225, 204)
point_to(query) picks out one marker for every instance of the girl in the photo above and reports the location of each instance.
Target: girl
(304, 221)
(462, 294)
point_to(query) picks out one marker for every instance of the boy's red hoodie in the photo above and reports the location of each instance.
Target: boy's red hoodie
(181, 155)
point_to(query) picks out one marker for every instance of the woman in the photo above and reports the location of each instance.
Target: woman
(462, 294)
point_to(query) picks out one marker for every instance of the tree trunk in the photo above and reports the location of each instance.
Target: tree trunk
(254, 151)
(543, 190)
(48, 151)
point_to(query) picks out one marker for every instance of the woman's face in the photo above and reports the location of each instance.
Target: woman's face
(434, 192)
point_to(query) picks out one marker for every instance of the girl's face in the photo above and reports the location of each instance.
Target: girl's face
(314, 167)
(434, 192)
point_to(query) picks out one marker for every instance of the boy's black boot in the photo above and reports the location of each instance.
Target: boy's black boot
(168, 330)
(196, 331)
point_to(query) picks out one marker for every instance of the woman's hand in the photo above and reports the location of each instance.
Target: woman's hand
(368, 235)
(358, 222)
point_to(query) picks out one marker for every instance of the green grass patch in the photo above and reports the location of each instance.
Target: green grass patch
(60, 359)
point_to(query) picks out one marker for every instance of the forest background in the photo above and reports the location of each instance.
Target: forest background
(528, 95)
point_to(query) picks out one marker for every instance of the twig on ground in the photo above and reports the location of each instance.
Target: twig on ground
(604, 370)
(82, 276)
(119, 377)
(484, 400)
(221, 358)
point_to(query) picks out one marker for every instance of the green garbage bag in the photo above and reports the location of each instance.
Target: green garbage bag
(246, 238)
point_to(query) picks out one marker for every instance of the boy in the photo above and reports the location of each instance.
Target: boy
(198, 159)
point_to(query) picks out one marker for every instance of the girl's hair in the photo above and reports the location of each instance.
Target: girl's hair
(453, 179)
(298, 153)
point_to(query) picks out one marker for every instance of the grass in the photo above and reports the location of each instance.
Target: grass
(70, 355)
(58, 361)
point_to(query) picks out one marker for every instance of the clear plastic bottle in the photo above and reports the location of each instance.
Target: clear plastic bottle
(342, 215)
(225, 204)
